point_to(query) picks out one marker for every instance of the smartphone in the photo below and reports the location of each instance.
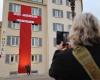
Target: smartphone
(61, 36)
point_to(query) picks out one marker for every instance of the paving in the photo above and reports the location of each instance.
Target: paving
(26, 77)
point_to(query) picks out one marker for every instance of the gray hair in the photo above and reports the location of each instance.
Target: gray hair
(85, 30)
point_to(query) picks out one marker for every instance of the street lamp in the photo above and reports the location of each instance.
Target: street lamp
(72, 4)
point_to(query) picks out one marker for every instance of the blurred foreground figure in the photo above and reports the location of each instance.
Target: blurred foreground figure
(83, 62)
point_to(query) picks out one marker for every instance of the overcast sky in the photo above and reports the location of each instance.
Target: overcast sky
(1, 6)
(92, 6)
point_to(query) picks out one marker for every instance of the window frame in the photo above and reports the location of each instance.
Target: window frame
(57, 13)
(57, 27)
(37, 1)
(9, 57)
(14, 25)
(16, 8)
(37, 42)
(13, 41)
(69, 27)
(37, 11)
(38, 58)
(36, 28)
(58, 2)
(69, 15)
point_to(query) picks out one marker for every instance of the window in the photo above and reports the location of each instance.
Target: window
(12, 40)
(58, 13)
(32, 57)
(69, 15)
(36, 42)
(14, 25)
(69, 27)
(40, 1)
(14, 8)
(67, 3)
(36, 27)
(58, 27)
(11, 58)
(59, 2)
(36, 11)
(36, 58)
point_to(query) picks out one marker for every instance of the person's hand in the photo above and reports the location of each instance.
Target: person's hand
(60, 46)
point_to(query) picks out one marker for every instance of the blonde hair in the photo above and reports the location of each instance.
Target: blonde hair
(85, 30)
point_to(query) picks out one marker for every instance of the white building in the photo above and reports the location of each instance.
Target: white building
(44, 18)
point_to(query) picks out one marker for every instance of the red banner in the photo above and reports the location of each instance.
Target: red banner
(25, 47)
(26, 20)
(25, 42)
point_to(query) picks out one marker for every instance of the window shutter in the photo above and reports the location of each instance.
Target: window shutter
(62, 27)
(7, 58)
(32, 41)
(62, 14)
(40, 58)
(9, 24)
(10, 7)
(54, 12)
(67, 14)
(54, 26)
(13, 40)
(16, 40)
(8, 40)
(54, 41)
(16, 58)
(40, 42)
(40, 27)
(61, 1)
(40, 12)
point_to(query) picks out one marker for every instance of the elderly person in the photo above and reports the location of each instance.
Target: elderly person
(85, 32)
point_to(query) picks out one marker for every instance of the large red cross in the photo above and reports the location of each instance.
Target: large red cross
(26, 20)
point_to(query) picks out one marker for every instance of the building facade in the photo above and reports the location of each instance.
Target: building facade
(28, 33)
(0, 32)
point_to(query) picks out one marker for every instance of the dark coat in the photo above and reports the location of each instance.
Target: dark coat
(56, 53)
(28, 69)
(65, 67)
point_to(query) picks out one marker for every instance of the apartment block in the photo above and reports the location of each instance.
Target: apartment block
(28, 33)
